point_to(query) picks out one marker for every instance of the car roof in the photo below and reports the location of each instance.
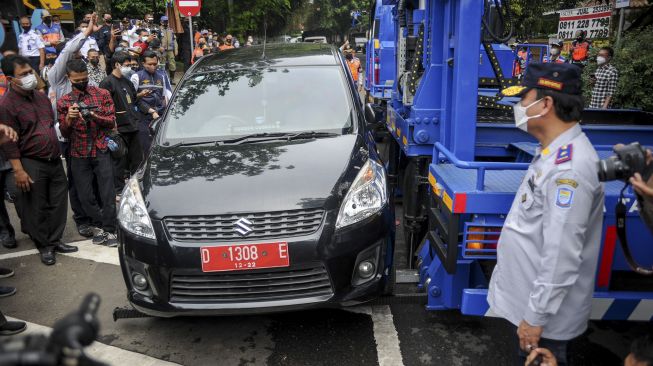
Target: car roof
(270, 55)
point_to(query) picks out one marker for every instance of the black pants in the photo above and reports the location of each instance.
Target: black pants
(79, 216)
(44, 209)
(6, 230)
(127, 165)
(100, 168)
(144, 134)
(558, 348)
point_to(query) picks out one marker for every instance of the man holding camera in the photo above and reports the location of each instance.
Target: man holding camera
(645, 190)
(548, 250)
(86, 117)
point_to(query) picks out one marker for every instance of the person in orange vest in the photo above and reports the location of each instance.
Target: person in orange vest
(354, 66)
(580, 49)
(555, 48)
(520, 63)
(228, 43)
(199, 50)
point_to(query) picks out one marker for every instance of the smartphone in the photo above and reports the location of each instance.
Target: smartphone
(117, 24)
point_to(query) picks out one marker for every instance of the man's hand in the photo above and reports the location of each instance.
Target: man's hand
(143, 93)
(548, 359)
(642, 188)
(529, 335)
(155, 115)
(41, 66)
(7, 134)
(73, 112)
(23, 180)
(91, 25)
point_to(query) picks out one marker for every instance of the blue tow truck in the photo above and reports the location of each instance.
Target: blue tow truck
(457, 159)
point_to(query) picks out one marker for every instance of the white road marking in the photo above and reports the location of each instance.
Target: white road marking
(87, 250)
(388, 350)
(22, 253)
(105, 353)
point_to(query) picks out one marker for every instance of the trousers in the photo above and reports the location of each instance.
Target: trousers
(43, 210)
(100, 169)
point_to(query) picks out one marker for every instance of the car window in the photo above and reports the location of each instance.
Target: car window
(275, 100)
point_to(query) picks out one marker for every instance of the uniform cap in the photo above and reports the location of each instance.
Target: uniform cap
(45, 13)
(563, 78)
(164, 18)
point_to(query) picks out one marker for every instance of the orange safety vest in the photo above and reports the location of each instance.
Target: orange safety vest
(581, 51)
(225, 47)
(354, 67)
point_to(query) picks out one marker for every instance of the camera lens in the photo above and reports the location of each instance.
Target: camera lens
(611, 169)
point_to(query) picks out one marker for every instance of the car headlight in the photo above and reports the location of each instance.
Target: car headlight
(366, 196)
(132, 214)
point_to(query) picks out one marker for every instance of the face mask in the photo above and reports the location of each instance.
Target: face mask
(349, 57)
(118, 49)
(134, 68)
(144, 39)
(47, 21)
(164, 24)
(27, 28)
(601, 60)
(81, 86)
(555, 51)
(521, 119)
(28, 82)
(50, 61)
(83, 29)
(94, 62)
(126, 71)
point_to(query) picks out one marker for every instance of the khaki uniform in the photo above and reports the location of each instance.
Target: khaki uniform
(170, 49)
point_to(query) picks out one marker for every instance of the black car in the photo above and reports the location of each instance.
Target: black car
(263, 191)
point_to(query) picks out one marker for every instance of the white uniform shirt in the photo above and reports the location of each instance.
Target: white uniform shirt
(549, 246)
(90, 44)
(29, 44)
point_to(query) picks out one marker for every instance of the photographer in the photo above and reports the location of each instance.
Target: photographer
(86, 117)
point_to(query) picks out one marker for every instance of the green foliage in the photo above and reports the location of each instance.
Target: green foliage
(528, 19)
(334, 15)
(633, 60)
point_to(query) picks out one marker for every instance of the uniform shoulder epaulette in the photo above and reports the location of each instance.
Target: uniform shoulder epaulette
(564, 154)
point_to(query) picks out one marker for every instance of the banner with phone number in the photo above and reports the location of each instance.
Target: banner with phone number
(594, 20)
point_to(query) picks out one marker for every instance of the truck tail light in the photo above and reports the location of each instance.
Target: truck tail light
(480, 241)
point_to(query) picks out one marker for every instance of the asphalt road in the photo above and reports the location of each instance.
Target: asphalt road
(366, 335)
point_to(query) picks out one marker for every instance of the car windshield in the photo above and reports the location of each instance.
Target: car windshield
(224, 104)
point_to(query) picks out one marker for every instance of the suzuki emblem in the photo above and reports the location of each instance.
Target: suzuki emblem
(243, 226)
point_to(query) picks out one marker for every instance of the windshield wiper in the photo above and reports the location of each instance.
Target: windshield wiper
(240, 139)
(191, 143)
(280, 137)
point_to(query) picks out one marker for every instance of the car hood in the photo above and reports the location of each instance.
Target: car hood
(254, 177)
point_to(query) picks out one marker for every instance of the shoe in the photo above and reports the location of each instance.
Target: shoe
(12, 327)
(9, 198)
(100, 237)
(6, 272)
(85, 230)
(48, 258)
(64, 248)
(112, 240)
(7, 291)
(9, 242)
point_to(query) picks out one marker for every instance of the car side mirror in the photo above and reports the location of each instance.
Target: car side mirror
(154, 126)
(372, 115)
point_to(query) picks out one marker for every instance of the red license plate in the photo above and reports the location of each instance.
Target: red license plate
(244, 256)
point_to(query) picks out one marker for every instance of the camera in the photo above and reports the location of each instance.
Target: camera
(627, 161)
(86, 109)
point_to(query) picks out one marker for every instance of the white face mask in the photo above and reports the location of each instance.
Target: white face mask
(600, 60)
(144, 38)
(521, 119)
(126, 71)
(28, 82)
(555, 51)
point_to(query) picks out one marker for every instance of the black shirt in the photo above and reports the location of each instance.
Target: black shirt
(124, 97)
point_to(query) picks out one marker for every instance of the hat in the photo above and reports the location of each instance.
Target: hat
(204, 31)
(563, 78)
(45, 13)
(164, 18)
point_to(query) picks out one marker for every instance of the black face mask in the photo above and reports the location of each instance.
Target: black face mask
(47, 21)
(81, 86)
(50, 61)
(135, 68)
(349, 57)
(94, 62)
(27, 28)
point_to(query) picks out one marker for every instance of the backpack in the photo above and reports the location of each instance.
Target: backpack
(580, 52)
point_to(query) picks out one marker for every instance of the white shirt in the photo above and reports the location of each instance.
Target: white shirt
(29, 44)
(549, 246)
(90, 44)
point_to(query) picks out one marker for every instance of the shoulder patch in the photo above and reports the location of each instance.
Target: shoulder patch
(564, 154)
(564, 197)
(567, 182)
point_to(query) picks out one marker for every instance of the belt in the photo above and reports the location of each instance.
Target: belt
(44, 160)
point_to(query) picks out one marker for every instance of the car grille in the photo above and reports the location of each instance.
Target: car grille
(264, 225)
(251, 286)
